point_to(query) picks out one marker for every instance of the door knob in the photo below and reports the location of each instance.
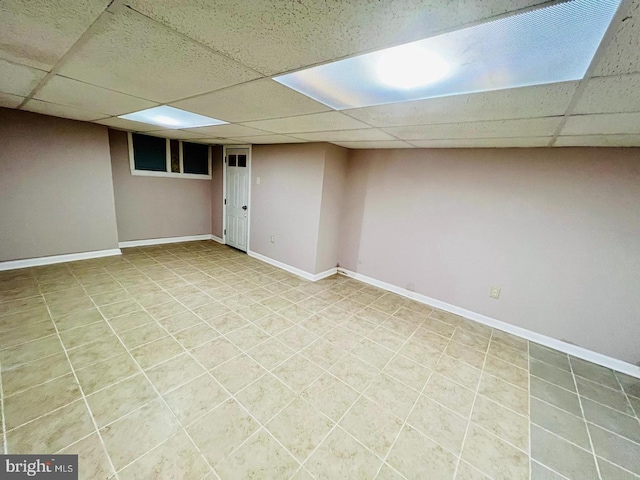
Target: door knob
(244, 208)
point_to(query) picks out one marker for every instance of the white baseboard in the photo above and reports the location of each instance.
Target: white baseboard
(69, 257)
(550, 342)
(217, 239)
(314, 277)
(162, 241)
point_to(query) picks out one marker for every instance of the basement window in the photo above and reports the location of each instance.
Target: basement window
(162, 157)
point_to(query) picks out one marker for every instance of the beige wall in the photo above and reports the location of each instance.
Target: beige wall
(56, 195)
(286, 203)
(156, 207)
(558, 230)
(217, 197)
(332, 204)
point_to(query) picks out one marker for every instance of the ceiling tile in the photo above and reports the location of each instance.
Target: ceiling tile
(230, 130)
(503, 128)
(39, 32)
(605, 124)
(484, 142)
(10, 101)
(135, 55)
(537, 101)
(265, 139)
(123, 124)
(224, 141)
(18, 79)
(257, 100)
(177, 134)
(622, 55)
(63, 111)
(382, 144)
(74, 93)
(365, 135)
(289, 35)
(610, 95)
(317, 122)
(598, 141)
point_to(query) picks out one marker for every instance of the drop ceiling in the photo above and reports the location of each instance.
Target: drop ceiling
(92, 60)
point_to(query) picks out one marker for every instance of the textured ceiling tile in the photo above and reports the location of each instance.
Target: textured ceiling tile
(605, 124)
(538, 101)
(178, 134)
(230, 130)
(73, 93)
(316, 122)
(18, 79)
(257, 100)
(366, 135)
(484, 143)
(534, 127)
(598, 141)
(381, 144)
(63, 111)
(10, 101)
(123, 124)
(224, 141)
(472, 10)
(622, 55)
(265, 139)
(610, 95)
(135, 55)
(39, 32)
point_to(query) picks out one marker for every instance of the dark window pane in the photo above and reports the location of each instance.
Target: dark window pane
(242, 160)
(232, 160)
(149, 153)
(175, 155)
(195, 158)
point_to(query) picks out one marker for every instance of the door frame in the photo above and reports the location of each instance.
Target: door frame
(224, 191)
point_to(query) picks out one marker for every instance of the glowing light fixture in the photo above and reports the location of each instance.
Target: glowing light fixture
(554, 43)
(170, 117)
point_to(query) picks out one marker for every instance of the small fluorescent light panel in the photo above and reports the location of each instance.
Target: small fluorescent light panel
(552, 44)
(170, 117)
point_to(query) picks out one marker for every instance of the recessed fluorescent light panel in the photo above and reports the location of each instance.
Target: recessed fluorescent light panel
(169, 117)
(546, 45)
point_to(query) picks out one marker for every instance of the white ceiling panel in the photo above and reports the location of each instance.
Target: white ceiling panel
(177, 134)
(135, 55)
(63, 111)
(289, 35)
(317, 122)
(527, 102)
(265, 139)
(622, 55)
(39, 32)
(18, 79)
(598, 141)
(123, 124)
(230, 130)
(612, 123)
(534, 127)
(255, 100)
(610, 95)
(10, 101)
(74, 93)
(365, 135)
(224, 141)
(484, 143)
(381, 144)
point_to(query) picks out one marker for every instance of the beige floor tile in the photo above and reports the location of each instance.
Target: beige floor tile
(27, 333)
(507, 372)
(340, 456)
(613, 420)
(509, 355)
(156, 352)
(29, 352)
(195, 398)
(417, 457)
(555, 395)
(260, 457)
(450, 318)
(330, 396)
(504, 393)
(105, 298)
(372, 425)
(595, 373)
(470, 340)
(102, 374)
(176, 323)
(34, 373)
(343, 338)
(120, 308)
(391, 394)
(94, 352)
(227, 322)
(137, 433)
(222, 430)
(29, 317)
(247, 337)
(195, 336)
(93, 462)
(615, 399)
(465, 354)
(387, 338)
(174, 372)
(493, 456)
(296, 337)
(78, 319)
(300, 428)
(273, 324)
(372, 353)
(142, 335)
(323, 353)
(540, 472)
(298, 373)
(467, 472)
(238, 372)
(354, 372)
(430, 339)
(77, 337)
(502, 422)
(438, 423)
(130, 320)
(408, 372)
(561, 456)
(154, 298)
(510, 340)
(549, 373)
(547, 355)
(388, 473)
(28, 303)
(448, 393)
(561, 423)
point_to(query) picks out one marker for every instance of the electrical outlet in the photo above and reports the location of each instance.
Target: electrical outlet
(494, 292)
(273, 239)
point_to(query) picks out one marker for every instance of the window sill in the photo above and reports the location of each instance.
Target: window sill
(151, 173)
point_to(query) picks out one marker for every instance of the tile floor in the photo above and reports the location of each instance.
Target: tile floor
(193, 361)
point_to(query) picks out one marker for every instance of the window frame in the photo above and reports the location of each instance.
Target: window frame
(167, 173)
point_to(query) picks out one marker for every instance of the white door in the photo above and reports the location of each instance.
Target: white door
(237, 197)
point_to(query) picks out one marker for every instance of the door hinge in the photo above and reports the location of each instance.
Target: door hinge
(225, 201)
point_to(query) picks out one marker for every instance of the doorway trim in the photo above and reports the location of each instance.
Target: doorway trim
(224, 191)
